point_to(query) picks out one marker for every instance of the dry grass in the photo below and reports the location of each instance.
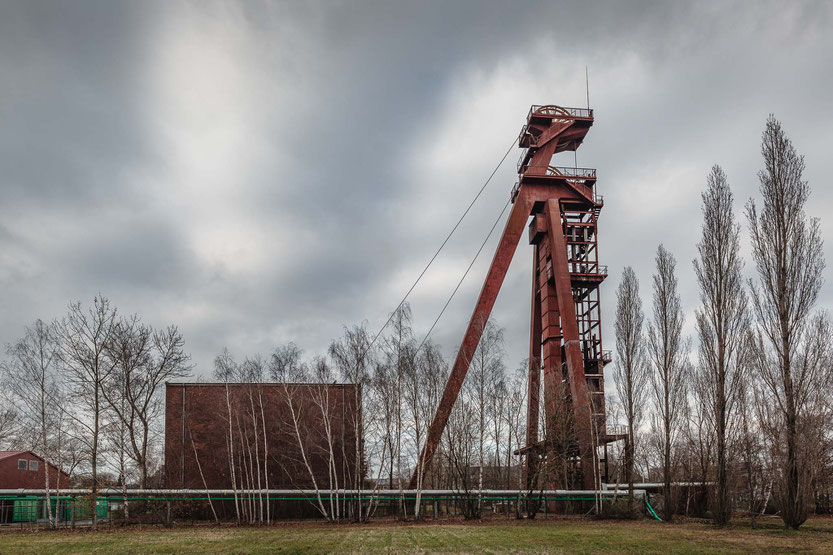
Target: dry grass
(552, 536)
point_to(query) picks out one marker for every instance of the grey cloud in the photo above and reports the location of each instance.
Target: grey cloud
(344, 96)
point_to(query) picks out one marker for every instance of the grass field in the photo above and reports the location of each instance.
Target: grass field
(555, 536)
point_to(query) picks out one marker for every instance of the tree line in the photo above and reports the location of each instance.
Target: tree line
(83, 392)
(748, 414)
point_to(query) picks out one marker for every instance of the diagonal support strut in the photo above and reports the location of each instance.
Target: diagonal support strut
(515, 226)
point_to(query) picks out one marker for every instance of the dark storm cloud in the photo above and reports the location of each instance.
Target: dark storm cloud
(71, 103)
(267, 172)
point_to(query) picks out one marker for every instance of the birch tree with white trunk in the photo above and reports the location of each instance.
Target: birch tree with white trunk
(34, 382)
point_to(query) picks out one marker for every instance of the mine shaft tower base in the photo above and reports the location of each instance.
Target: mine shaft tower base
(565, 326)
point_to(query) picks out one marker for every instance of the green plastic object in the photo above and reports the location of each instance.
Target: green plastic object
(651, 509)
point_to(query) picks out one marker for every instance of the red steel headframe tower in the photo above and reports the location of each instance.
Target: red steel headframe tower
(565, 331)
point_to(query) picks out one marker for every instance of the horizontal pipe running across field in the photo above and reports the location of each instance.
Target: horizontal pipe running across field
(656, 485)
(490, 493)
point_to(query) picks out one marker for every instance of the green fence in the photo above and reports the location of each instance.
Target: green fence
(195, 507)
(32, 509)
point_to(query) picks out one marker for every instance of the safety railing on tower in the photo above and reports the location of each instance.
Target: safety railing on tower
(605, 356)
(529, 137)
(584, 173)
(557, 171)
(587, 268)
(550, 110)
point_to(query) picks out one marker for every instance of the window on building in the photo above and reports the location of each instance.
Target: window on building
(33, 465)
(21, 464)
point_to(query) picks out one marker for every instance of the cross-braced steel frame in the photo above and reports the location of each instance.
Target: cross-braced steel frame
(565, 326)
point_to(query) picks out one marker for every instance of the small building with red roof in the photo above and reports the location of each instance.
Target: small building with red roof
(26, 470)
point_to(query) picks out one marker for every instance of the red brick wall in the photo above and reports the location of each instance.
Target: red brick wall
(203, 425)
(12, 478)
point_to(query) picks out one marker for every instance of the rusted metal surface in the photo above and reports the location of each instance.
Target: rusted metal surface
(565, 323)
(572, 347)
(534, 383)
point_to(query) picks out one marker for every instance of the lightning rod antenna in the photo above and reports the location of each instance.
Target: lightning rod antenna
(587, 86)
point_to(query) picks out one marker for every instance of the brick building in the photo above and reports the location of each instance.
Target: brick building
(25, 470)
(200, 450)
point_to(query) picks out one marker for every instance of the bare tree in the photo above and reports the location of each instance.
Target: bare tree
(631, 371)
(312, 422)
(721, 322)
(423, 385)
(415, 384)
(698, 437)
(144, 359)
(667, 352)
(252, 373)
(750, 448)
(787, 249)
(352, 356)
(516, 426)
(286, 367)
(115, 431)
(168, 361)
(8, 424)
(127, 348)
(497, 398)
(225, 371)
(33, 380)
(257, 375)
(377, 430)
(384, 386)
(485, 371)
(461, 453)
(322, 376)
(202, 475)
(84, 336)
(399, 350)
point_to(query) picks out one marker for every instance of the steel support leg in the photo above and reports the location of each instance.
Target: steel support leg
(572, 347)
(494, 279)
(553, 389)
(534, 381)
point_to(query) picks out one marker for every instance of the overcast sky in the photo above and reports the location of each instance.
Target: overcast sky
(259, 173)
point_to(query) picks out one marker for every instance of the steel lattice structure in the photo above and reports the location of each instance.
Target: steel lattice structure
(565, 325)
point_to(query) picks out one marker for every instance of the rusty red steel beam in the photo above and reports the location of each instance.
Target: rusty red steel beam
(551, 343)
(553, 130)
(572, 344)
(534, 380)
(515, 226)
